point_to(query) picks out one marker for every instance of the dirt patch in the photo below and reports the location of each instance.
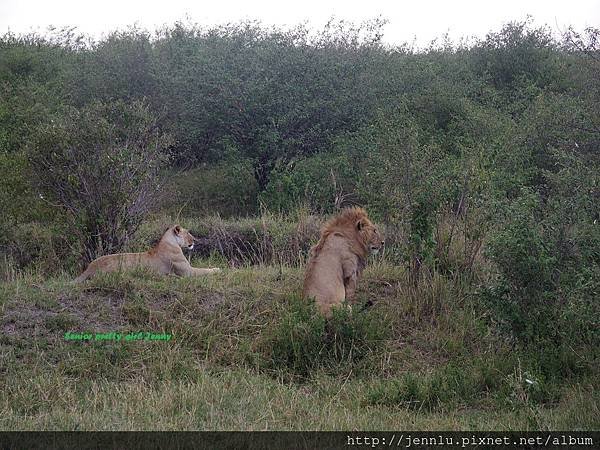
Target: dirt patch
(26, 320)
(82, 311)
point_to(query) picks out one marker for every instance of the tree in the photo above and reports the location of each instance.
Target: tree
(269, 95)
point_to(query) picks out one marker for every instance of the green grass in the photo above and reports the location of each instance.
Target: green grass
(241, 400)
(248, 354)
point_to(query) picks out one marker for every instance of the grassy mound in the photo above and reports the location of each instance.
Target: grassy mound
(246, 353)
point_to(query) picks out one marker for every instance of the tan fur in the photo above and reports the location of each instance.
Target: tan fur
(336, 262)
(165, 258)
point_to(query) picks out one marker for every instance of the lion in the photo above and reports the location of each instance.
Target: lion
(336, 262)
(166, 257)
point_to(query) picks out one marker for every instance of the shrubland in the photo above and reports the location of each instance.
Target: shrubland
(478, 159)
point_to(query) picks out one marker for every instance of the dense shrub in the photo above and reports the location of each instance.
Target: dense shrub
(227, 189)
(304, 342)
(42, 248)
(274, 95)
(100, 165)
(547, 258)
(517, 55)
(18, 200)
(324, 183)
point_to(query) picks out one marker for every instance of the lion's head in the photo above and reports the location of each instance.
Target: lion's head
(354, 224)
(369, 234)
(183, 237)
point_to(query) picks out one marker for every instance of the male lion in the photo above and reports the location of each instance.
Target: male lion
(165, 257)
(338, 259)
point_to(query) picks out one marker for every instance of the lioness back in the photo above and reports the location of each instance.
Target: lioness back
(164, 258)
(115, 263)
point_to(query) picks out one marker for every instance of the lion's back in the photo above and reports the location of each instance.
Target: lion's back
(117, 262)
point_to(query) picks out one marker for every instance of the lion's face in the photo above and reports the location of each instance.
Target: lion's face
(370, 235)
(183, 237)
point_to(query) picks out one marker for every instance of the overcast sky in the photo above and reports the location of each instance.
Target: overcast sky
(409, 21)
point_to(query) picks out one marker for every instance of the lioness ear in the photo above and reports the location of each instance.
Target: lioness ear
(177, 229)
(359, 225)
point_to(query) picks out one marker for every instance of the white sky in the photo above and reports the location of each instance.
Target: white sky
(408, 20)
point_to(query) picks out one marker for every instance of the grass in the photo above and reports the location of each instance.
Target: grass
(239, 400)
(248, 354)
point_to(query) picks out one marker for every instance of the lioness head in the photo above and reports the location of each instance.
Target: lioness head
(369, 234)
(183, 237)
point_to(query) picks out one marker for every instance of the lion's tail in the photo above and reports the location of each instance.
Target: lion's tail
(84, 276)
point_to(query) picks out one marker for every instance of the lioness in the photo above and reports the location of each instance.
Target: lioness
(165, 257)
(338, 259)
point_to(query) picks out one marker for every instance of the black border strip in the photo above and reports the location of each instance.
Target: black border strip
(332, 440)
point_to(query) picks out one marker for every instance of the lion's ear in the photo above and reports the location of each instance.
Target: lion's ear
(359, 225)
(177, 229)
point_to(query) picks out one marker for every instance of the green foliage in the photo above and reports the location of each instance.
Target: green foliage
(516, 56)
(32, 71)
(520, 249)
(523, 298)
(38, 247)
(274, 94)
(547, 256)
(27, 237)
(304, 341)
(120, 66)
(100, 164)
(228, 189)
(18, 201)
(323, 183)
(399, 178)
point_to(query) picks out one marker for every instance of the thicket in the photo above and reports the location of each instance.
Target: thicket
(494, 143)
(101, 164)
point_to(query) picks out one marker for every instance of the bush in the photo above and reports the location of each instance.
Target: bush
(324, 182)
(546, 283)
(516, 55)
(305, 342)
(400, 179)
(18, 200)
(39, 247)
(100, 165)
(226, 189)
(275, 94)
